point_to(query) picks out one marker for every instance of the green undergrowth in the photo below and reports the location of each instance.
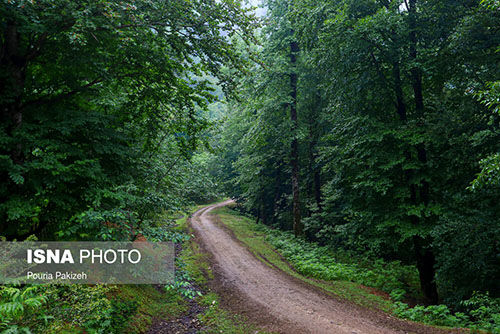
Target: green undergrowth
(254, 237)
(368, 282)
(195, 263)
(219, 320)
(152, 304)
(72, 309)
(53, 309)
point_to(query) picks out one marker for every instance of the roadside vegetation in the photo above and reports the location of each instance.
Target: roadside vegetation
(361, 137)
(196, 269)
(366, 140)
(104, 129)
(126, 308)
(351, 276)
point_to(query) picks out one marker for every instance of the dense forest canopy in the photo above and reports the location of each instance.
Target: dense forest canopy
(103, 103)
(394, 109)
(369, 126)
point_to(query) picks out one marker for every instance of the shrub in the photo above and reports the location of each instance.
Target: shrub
(328, 263)
(480, 312)
(16, 303)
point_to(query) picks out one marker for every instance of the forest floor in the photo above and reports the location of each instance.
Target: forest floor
(277, 301)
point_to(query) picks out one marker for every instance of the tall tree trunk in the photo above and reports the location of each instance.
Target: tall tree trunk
(314, 184)
(277, 192)
(297, 223)
(263, 213)
(426, 271)
(312, 151)
(317, 186)
(423, 250)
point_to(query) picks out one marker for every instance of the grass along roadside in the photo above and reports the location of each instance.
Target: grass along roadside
(370, 283)
(195, 266)
(65, 309)
(113, 309)
(86, 308)
(253, 236)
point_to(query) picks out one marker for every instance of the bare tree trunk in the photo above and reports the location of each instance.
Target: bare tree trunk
(277, 192)
(297, 224)
(263, 213)
(423, 251)
(315, 183)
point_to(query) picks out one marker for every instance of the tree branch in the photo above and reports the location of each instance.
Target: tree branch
(45, 99)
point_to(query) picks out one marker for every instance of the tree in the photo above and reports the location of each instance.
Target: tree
(88, 90)
(380, 54)
(389, 133)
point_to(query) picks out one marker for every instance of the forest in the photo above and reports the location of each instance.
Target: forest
(358, 139)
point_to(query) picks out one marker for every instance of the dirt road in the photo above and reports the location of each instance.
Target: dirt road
(279, 302)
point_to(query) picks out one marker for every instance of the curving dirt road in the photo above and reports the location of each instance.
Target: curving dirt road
(279, 302)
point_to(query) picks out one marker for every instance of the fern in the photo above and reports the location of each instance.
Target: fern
(15, 303)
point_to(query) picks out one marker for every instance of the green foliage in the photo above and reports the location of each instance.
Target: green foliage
(479, 312)
(78, 308)
(490, 172)
(326, 263)
(165, 233)
(484, 312)
(104, 105)
(490, 166)
(492, 4)
(95, 309)
(183, 283)
(16, 303)
(184, 288)
(100, 225)
(391, 136)
(397, 295)
(122, 311)
(16, 330)
(199, 185)
(434, 314)
(86, 307)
